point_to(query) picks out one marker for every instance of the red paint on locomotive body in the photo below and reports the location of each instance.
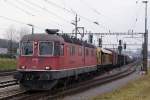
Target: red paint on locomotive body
(47, 58)
(73, 55)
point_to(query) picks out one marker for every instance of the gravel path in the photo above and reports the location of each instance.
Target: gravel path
(90, 93)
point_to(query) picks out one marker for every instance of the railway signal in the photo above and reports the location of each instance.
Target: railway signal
(120, 47)
(120, 42)
(125, 45)
(90, 38)
(100, 42)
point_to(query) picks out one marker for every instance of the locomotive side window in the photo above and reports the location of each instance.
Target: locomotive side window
(27, 48)
(80, 51)
(57, 49)
(46, 48)
(87, 52)
(72, 50)
(92, 52)
(61, 50)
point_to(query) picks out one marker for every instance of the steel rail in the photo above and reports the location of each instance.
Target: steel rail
(8, 83)
(7, 73)
(81, 86)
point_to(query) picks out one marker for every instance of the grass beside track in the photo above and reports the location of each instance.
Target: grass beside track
(7, 64)
(135, 90)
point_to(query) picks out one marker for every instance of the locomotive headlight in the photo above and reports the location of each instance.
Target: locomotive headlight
(23, 67)
(47, 68)
(35, 43)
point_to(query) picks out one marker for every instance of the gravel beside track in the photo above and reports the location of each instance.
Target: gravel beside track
(78, 87)
(6, 78)
(90, 93)
(8, 83)
(9, 92)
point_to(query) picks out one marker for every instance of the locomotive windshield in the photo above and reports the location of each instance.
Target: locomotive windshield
(46, 48)
(27, 48)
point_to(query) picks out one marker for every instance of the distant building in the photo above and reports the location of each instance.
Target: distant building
(3, 50)
(8, 47)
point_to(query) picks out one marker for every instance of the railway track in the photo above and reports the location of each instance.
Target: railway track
(70, 89)
(8, 83)
(7, 73)
(6, 79)
(11, 91)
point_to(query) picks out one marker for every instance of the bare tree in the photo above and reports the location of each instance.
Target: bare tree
(14, 35)
(11, 36)
(23, 31)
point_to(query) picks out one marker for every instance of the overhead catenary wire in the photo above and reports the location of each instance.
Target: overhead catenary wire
(10, 19)
(16, 21)
(95, 11)
(71, 11)
(25, 12)
(53, 23)
(26, 4)
(91, 21)
(137, 15)
(19, 8)
(58, 6)
(47, 10)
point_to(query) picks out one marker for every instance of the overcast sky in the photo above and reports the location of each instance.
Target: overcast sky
(113, 15)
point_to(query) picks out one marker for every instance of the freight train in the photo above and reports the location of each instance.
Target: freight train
(47, 58)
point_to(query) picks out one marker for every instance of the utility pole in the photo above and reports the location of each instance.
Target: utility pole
(145, 47)
(82, 34)
(75, 23)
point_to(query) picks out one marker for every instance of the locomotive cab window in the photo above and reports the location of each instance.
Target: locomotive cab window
(58, 49)
(27, 48)
(72, 50)
(80, 51)
(46, 48)
(62, 50)
(87, 52)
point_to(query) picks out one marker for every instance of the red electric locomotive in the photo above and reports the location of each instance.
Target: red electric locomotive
(47, 58)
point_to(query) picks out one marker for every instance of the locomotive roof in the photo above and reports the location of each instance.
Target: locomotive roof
(56, 37)
(42, 37)
(74, 40)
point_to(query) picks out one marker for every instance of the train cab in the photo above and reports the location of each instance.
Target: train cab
(40, 52)
(47, 58)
